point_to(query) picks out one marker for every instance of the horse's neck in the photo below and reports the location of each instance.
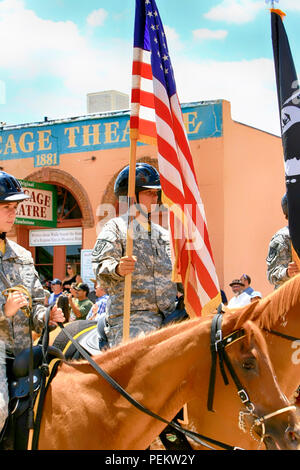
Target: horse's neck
(284, 353)
(161, 369)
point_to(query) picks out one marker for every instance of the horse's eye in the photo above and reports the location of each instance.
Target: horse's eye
(249, 363)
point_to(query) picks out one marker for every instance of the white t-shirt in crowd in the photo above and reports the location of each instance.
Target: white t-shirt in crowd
(239, 300)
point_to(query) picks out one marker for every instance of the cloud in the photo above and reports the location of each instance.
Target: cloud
(51, 66)
(174, 42)
(32, 44)
(207, 34)
(97, 18)
(38, 51)
(248, 84)
(235, 11)
(293, 5)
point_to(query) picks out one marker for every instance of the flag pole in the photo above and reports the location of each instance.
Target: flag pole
(295, 257)
(129, 239)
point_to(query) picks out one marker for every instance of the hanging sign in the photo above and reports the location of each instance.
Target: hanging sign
(87, 272)
(58, 237)
(41, 208)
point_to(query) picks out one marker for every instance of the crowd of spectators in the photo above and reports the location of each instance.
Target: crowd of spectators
(84, 303)
(243, 292)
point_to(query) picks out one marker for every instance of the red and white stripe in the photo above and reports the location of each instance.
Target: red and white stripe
(142, 116)
(153, 110)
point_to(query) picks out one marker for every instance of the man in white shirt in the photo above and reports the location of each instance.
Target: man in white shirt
(240, 298)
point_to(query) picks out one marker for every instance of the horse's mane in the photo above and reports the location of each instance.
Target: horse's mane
(269, 310)
(147, 340)
(143, 343)
(265, 313)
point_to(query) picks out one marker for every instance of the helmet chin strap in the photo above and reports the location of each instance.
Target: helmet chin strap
(147, 215)
(139, 207)
(3, 235)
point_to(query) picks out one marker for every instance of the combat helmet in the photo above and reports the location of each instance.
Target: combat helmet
(146, 177)
(10, 189)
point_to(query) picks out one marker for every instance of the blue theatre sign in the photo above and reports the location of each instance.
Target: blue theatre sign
(46, 141)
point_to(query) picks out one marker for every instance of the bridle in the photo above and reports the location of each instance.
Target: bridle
(282, 335)
(217, 346)
(258, 420)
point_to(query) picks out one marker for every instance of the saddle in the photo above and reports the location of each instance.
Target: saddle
(15, 433)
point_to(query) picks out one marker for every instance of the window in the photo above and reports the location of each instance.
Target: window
(67, 207)
(73, 256)
(44, 262)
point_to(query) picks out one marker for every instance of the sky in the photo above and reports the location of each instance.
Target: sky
(54, 52)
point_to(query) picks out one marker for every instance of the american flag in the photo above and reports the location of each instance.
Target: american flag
(156, 117)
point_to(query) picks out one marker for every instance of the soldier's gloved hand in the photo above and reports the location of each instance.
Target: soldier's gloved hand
(292, 269)
(15, 301)
(126, 265)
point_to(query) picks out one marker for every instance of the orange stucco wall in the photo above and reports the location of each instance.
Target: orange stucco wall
(253, 187)
(241, 180)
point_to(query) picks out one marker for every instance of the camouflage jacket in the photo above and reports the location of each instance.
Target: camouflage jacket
(279, 256)
(152, 291)
(17, 266)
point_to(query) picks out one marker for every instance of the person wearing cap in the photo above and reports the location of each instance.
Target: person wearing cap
(280, 266)
(16, 268)
(81, 305)
(255, 295)
(240, 298)
(56, 287)
(153, 294)
(246, 280)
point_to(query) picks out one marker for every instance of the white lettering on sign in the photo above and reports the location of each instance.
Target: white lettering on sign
(55, 237)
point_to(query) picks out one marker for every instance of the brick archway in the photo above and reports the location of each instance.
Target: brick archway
(64, 179)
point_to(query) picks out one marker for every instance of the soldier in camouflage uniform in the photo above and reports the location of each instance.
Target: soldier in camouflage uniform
(280, 266)
(153, 294)
(16, 267)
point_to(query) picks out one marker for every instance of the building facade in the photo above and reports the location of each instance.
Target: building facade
(239, 169)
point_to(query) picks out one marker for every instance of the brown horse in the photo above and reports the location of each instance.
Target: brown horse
(279, 311)
(163, 371)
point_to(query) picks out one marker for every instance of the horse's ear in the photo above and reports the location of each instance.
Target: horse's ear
(245, 313)
(250, 333)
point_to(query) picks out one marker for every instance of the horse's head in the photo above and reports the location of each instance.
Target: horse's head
(271, 418)
(278, 316)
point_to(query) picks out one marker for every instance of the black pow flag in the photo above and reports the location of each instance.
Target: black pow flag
(288, 92)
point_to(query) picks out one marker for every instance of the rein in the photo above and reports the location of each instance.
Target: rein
(218, 345)
(193, 435)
